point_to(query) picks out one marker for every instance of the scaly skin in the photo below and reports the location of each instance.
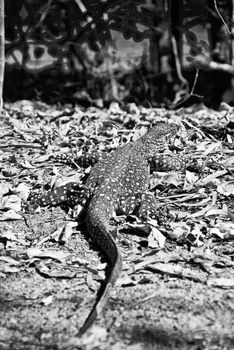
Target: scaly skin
(117, 183)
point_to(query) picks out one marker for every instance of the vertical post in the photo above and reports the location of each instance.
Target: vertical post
(232, 37)
(176, 20)
(2, 52)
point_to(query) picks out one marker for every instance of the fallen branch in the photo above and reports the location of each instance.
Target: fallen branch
(204, 63)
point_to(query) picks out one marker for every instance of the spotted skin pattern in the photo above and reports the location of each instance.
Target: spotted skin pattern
(168, 163)
(85, 160)
(70, 194)
(148, 206)
(73, 193)
(118, 183)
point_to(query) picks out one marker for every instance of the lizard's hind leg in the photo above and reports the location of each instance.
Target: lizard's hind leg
(71, 194)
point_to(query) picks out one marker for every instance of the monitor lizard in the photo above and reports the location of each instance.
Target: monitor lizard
(117, 184)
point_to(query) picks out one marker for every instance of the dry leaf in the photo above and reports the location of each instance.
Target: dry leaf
(177, 270)
(48, 300)
(26, 165)
(179, 229)
(190, 180)
(23, 190)
(53, 254)
(214, 231)
(5, 268)
(10, 215)
(139, 226)
(156, 239)
(10, 261)
(10, 202)
(172, 179)
(10, 235)
(213, 176)
(221, 282)
(225, 188)
(4, 188)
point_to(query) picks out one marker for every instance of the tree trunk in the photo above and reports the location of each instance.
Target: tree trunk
(2, 51)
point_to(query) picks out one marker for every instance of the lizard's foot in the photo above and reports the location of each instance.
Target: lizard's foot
(168, 162)
(148, 206)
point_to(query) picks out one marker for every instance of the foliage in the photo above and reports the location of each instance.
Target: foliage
(49, 272)
(76, 38)
(2, 56)
(62, 27)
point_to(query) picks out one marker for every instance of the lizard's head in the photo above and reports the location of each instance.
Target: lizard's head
(159, 137)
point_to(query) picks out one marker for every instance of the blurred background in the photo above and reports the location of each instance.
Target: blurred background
(152, 52)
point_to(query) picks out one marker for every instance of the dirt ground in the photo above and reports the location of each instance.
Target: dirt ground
(159, 312)
(171, 295)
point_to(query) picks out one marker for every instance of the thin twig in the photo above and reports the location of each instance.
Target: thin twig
(44, 13)
(18, 145)
(221, 17)
(177, 62)
(195, 82)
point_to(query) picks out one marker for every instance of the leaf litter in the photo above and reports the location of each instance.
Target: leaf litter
(191, 240)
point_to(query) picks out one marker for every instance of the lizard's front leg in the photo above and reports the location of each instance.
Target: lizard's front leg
(84, 160)
(167, 162)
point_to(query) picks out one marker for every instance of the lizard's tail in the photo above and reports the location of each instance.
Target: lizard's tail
(116, 260)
